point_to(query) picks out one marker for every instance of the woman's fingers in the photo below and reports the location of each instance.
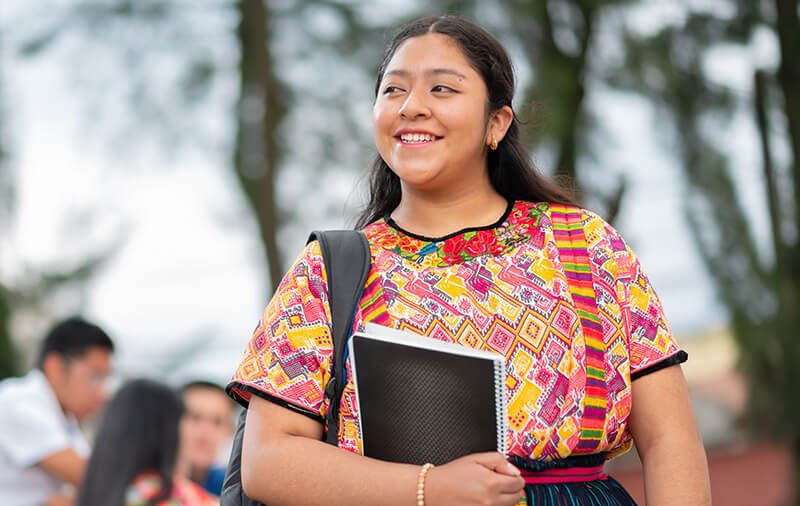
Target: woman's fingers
(496, 462)
(507, 469)
(510, 485)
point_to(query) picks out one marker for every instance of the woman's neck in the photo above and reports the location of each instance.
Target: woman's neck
(432, 215)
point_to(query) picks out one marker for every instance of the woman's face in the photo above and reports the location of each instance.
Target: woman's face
(430, 115)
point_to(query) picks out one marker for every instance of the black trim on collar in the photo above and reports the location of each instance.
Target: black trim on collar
(389, 221)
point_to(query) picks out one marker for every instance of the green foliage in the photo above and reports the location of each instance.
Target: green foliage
(9, 357)
(759, 285)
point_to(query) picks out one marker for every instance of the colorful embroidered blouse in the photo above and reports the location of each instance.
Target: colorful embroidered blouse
(502, 288)
(184, 493)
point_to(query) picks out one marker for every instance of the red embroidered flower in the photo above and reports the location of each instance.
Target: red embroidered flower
(481, 243)
(497, 249)
(452, 249)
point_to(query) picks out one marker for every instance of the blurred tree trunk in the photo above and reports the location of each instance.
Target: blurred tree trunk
(9, 365)
(788, 30)
(761, 291)
(560, 79)
(8, 353)
(557, 38)
(263, 102)
(261, 108)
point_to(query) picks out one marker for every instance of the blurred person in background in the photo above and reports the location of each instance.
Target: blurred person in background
(206, 431)
(42, 450)
(136, 452)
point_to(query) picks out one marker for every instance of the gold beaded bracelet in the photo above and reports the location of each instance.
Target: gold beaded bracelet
(421, 484)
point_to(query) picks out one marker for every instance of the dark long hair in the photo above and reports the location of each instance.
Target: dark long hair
(510, 169)
(139, 433)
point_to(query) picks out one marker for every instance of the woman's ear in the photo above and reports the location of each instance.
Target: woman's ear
(499, 123)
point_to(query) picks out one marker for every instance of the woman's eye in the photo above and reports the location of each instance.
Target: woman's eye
(441, 88)
(390, 89)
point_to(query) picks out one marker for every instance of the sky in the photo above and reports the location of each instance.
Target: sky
(187, 280)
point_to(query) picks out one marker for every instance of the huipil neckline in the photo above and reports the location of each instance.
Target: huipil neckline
(499, 222)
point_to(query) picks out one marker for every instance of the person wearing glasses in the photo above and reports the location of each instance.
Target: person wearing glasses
(43, 453)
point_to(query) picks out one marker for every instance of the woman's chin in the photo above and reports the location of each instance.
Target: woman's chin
(416, 172)
(418, 179)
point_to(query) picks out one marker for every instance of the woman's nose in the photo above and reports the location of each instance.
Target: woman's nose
(414, 106)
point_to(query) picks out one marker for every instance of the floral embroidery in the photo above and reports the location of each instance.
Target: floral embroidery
(515, 303)
(521, 223)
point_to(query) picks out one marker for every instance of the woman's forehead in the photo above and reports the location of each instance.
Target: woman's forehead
(432, 53)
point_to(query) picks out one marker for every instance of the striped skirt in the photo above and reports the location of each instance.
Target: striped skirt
(575, 481)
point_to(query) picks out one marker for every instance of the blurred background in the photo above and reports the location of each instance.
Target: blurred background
(162, 162)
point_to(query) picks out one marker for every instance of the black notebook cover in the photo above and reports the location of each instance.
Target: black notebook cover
(422, 400)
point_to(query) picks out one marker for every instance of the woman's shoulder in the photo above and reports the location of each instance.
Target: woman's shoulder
(600, 238)
(148, 485)
(569, 212)
(308, 263)
(550, 214)
(574, 216)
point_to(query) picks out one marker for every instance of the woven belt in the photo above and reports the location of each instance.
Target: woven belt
(575, 468)
(564, 475)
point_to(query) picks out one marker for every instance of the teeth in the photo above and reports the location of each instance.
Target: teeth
(417, 138)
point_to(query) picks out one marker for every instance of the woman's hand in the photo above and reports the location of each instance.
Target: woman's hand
(485, 479)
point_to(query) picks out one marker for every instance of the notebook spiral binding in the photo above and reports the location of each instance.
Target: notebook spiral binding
(501, 408)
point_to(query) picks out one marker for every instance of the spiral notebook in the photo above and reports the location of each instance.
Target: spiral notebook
(424, 400)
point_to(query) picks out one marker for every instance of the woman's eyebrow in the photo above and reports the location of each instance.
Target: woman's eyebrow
(435, 71)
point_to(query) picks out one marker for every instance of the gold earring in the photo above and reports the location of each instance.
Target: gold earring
(493, 145)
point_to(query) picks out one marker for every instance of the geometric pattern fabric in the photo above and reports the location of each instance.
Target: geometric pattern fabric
(502, 288)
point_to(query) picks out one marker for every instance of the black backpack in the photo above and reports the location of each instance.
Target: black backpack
(347, 263)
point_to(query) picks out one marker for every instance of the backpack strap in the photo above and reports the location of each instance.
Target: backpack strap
(347, 264)
(573, 251)
(232, 490)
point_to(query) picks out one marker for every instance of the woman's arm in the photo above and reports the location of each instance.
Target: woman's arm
(666, 437)
(284, 462)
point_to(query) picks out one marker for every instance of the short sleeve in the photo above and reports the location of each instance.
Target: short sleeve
(30, 432)
(651, 343)
(287, 358)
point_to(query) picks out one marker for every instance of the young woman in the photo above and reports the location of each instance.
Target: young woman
(469, 244)
(133, 462)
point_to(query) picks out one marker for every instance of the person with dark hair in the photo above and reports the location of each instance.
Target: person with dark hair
(207, 427)
(136, 452)
(42, 450)
(470, 244)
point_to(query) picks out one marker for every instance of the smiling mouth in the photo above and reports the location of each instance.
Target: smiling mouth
(417, 139)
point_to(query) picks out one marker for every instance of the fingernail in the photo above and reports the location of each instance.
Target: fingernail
(513, 468)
